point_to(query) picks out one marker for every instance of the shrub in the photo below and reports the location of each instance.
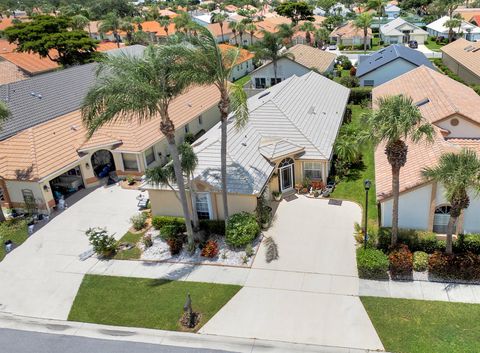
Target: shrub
(467, 243)
(372, 264)
(160, 221)
(189, 138)
(420, 261)
(353, 71)
(349, 81)
(454, 266)
(169, 231)
(130, 180)
(241, 229)
(415, 240)
(357, 94)
(139, 220)
(147, 240)
(212, 226)
(344, 61)
(103, 244)
(401, 262)
(175, 245)
(210, 249)
(249, 250)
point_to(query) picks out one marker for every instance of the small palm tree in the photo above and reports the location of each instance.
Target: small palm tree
(457, 172)
(164, 22)
(308, 28)
(451, 24)
(79, 22)
(182, 22)
(127, 27)
(285, 31)
(241, 30)
(112, 23)
(321, 36)
(142, 88)
(396, 120)
(233, 26)
(251, 28)
(364, 21)
(269, 48)
(220, 18)
(138, 20)
(379, 7)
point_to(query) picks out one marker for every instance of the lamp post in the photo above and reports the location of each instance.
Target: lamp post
(366, 184)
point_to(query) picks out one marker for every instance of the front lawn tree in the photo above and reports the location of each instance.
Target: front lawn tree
(457, 173)
(46, 33)
(112, 23)
(364, 21)
(140, 88)
(269, 49)
(296, 11)
(220, 18)
(396, 121)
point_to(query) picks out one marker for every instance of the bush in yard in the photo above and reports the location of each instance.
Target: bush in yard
(467, 243)
(160, 221)
(147, 240)
(353, 71)
(349, 81)
(169, 231)
(175, 245)
(103, 243)
(372, 263)
(210, 249)
(454, 266)
(241, 229)
(357, 94)
(401, 262)
(212, 226)
(344, 61)
(139, 221)
(420, 261)
(415, 240)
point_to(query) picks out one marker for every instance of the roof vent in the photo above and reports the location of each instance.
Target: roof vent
(74, 128)
(379, 58)
(189, 105)
(422, 102)
(263, 95)
(312, 110)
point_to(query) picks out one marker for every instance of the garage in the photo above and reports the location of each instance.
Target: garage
(67, 183)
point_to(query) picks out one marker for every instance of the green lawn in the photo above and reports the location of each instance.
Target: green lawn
(150, 303)
(432, 45)
(376, 43)
(133, 253)
(15, 230)
(243, 80)
(351, 187)
(417, 326)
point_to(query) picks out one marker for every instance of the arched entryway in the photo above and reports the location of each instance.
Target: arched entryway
(286, 175)
(102, 163)
(441, 219)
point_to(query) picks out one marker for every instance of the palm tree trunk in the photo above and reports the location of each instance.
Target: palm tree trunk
(235, 36)
(224, 106)
(221, 30)
(275, 70)
(191, 186)
(451, 224)
(396, 192)
(365, 33)
(241, 39)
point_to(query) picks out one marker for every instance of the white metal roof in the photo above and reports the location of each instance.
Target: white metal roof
(439, 26)
(391, 28)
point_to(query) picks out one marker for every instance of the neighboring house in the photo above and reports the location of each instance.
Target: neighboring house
(216, 30)
(269, 24)
(463, 58)
(203, 19)
(244, 63)
(452, 109)
(337, 9)
(388, 63)
(466, 30)
(44, 152)
(304, 58)
(349, 35)
(93, 30)
(475, 20)
(288, 137)
(400, 31)
(392, 11)
(467, 12)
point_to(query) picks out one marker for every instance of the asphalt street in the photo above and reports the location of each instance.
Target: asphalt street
(15, 341)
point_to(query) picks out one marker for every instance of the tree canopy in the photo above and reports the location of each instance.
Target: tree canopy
(45, 34)
(296, 11)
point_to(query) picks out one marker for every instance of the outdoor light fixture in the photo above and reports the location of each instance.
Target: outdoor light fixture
(366, 184)
(87, 165)
(45, 187)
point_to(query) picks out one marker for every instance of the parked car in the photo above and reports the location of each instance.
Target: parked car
(332, 47)
(413, 44)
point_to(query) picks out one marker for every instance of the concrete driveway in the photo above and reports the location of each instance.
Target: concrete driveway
(310, 294)
(42, 276)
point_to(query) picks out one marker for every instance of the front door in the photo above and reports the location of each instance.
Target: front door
(286, 178)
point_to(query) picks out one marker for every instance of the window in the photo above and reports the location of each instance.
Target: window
(130, 161)
(274, 81)
(150, 155)
(312, 170)
(368, 83)
(200, 120)
(2, 195)
(260, 82)
(187, 129)
(202, 203)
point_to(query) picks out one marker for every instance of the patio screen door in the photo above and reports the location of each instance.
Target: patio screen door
(286, 178)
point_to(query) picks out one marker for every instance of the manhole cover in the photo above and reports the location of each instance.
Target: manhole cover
(335, 202)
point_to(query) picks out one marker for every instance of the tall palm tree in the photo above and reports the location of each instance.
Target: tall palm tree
(379, 7)
(285, 31)
(141, 88)
(112, 23)
(451, 24)
(127, 27)
(205, 63)
(220, 18)
(4, 115)
(396, 120)
(138, 20)
(269, 48)
(241, 30)
(164, 22)
(457, 172)
(79, 22)
(233, 26)
(182, 22)
(364, 21)
(308, 28)
(251, 28)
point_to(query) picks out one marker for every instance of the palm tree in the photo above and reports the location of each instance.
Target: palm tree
(457, 172)
(379, 7)
(220, 18)
(285, 31)
(138, 20)
(4, 114)
(205, 63)
(251, 28)
(233, 26)
(269, 48)
(127, 27)
(164, 22)
(321, 36)
(79, 22)
(182, 22)
(112, 23)
(241, 30)
(140, 88)
(364, 21)
(396, 120)
(308, 27)
(451, 24)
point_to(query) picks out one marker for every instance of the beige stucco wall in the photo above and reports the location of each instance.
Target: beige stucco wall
(460, 70)
(15, 188)
(464, 129)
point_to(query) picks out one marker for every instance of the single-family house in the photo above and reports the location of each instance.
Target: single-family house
(337, 9)
(243, 64)
(288, 137)
(467, 12)
(475, 20)
(400, 31)
(388, 63)
(452, 109)
(301, 60)
(44, 152)
(269, 24)
(222, 33)
(392, 11)
(466, 30)
(350, 35)
(463, 58)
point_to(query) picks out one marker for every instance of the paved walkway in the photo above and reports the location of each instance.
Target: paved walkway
(422, 290)
(41, 277)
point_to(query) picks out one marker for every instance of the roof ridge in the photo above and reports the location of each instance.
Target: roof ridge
(439, 89)
(33, 149)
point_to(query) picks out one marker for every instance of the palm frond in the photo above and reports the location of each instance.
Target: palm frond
(238, 105)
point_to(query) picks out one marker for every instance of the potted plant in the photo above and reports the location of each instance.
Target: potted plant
(316, 193)
(266, 217)
(277, 196)
(130, 180)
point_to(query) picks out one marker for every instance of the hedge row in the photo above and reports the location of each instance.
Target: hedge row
(208, 225)
(455, 266)
(358, 94)
(372, 263)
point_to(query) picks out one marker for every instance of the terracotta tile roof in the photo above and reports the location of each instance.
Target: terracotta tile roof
(6, 47)
(311, 57)
(31, 63)
(53, 145)
(215, 29)
(467, 13)
(154, 27)
(445, 97)
(475, 20)
(105, 46)
(231, 8)
(10, 73)
(243, 56)
(466, 53)
(348, 30)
